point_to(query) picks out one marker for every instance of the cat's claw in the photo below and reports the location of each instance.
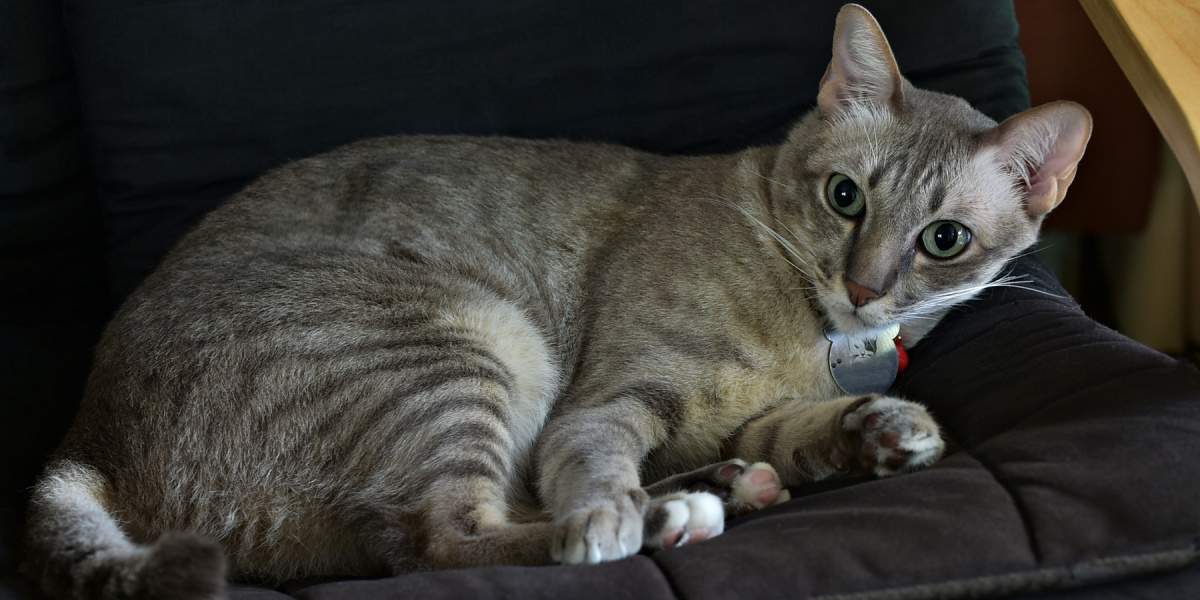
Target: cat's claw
(886, 435)
(607, 529)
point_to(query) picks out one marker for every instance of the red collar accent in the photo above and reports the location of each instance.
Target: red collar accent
(902, 354)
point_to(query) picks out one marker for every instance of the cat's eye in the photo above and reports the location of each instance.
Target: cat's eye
(945, 239)
(844, 196)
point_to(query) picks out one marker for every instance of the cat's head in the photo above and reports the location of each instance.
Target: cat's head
(908, 201)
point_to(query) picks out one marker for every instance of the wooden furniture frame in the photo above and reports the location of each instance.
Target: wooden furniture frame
(1157, 44)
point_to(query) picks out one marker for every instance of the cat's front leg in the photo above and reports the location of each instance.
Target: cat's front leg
(588, 460)
(875, 434)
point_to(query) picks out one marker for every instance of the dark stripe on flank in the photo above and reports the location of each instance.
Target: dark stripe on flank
(420, 413)
(420, 417)
(444, 344)
(425, 475)
(460, 357)
(444, 354)
(467, 468)
(333, 400)
(471, 438)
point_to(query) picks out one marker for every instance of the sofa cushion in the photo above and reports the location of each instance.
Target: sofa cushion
(1076, 444)
(51, 284)
(186, 101)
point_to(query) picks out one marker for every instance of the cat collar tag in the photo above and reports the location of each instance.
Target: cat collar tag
(864, 365)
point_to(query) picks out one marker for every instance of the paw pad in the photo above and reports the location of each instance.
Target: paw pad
(759, 487)
(892, 436)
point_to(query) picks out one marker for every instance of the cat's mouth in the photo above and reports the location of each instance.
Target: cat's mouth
(855, 322)
(851, 320)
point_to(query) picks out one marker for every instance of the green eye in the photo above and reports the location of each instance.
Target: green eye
(845, 197)
(945, 239)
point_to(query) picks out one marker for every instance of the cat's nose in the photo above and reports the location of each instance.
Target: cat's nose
(859, 294)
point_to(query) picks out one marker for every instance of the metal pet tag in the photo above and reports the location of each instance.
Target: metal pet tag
(864, 365)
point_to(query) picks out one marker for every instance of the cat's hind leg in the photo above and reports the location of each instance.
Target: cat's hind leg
(692, 507)
(472, 453)
(741, 487)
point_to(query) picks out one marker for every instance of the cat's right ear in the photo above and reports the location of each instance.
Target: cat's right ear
(1042, 147)
(863, 70)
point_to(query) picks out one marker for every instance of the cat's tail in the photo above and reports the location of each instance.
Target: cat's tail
(77, 549)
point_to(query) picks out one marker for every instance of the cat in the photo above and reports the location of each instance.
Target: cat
(431, 352)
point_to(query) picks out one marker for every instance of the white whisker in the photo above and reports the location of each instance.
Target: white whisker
(755, 173)
(954, 298)
(788, 247)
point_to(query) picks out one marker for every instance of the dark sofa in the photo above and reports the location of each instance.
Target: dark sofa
(1076, 472)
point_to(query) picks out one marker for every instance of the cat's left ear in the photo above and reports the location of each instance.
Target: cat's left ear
(863, 70)
(1043, 146)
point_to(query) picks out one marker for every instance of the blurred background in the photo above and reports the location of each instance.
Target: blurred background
(1126, 242)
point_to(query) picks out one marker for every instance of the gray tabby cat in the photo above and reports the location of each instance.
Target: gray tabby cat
(430, 352)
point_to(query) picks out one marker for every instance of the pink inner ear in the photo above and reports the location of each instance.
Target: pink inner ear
(1070, 126)
(862, 67)
(1067, 149)
(1043, 193)
(1058, 170)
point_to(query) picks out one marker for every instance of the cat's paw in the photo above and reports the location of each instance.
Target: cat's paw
(603, 530)
(740, 486)
(683, 518)
(758, 487)
(886, 435)
(744, 487)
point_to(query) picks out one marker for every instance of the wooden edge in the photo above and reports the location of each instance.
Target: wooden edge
(1151, 87)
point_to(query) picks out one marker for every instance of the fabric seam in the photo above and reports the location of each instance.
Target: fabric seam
(1018, 504)
(666, 578)
(1100, 570)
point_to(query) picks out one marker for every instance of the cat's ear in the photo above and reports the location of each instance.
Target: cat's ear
(1042, 146)
(863, 70)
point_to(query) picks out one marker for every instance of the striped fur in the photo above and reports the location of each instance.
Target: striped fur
(432, 352)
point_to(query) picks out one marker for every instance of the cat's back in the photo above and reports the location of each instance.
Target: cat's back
(323, 257)
(531, 209)
(432, 199)
(471, 180)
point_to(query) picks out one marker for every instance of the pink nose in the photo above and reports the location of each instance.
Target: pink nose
(859, 294)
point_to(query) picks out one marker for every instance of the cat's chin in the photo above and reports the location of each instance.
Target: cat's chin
(855, 325)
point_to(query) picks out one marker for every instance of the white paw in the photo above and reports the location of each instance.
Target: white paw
(893, 435)
(759, 486)
(681, 518)
(605, 530)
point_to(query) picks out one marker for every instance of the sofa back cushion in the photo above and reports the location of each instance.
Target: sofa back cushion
(187, 101)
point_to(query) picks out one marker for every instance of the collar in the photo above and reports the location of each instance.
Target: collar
(866, 364)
